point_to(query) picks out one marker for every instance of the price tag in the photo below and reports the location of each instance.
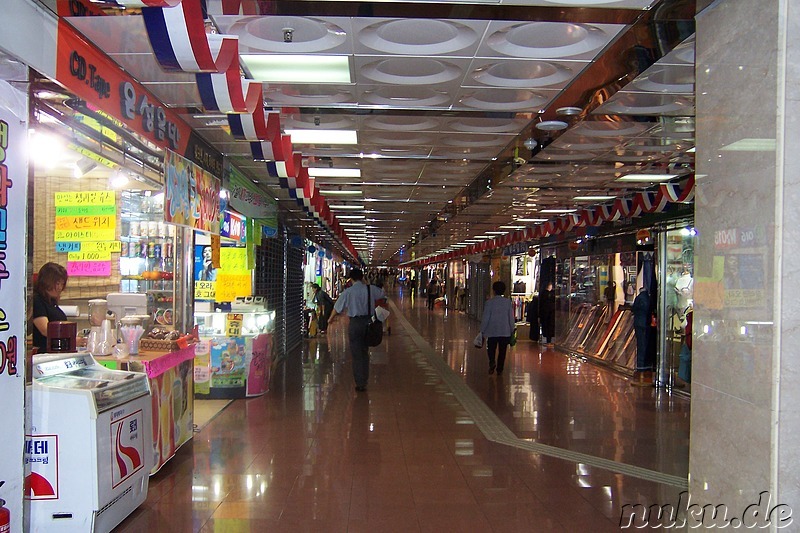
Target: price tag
(86, 210)
(85, 198)
(109, 246)
(84, 235)
(204, 290)
(63, 247)
(233, 324)
(89, 256)
(86, 222)
(89, 268)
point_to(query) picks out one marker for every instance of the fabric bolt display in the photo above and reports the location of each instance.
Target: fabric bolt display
(229, 92)
(180, 42)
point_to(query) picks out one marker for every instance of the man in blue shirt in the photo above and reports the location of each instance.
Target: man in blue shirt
(356, 299)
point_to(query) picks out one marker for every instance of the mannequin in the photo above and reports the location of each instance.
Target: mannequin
(684, 288)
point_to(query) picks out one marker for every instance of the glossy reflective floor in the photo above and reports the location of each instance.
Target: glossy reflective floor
(435, 444)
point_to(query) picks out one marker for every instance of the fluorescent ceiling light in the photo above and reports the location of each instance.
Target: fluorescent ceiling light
(360, 224)
(335, 207)
(558, 211)
(594, 197)
(323, 136)
(512, 227)
(318, 172)
(647, 177)
(531, 220)
(751, 145)
(298, 68)
(334, 192)
(496, 232)
(351, 217)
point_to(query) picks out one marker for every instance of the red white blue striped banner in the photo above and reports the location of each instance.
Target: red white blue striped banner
(180, 42)
(228, 92)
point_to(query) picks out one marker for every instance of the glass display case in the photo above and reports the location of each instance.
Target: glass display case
(234, 355)
(147, 257)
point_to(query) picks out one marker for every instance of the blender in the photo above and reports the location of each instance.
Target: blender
(98, 309)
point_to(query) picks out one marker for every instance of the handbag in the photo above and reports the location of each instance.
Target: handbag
(374, 333)
(478, 341)
(513, 340)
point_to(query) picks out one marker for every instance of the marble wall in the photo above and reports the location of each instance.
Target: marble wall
(745, 399)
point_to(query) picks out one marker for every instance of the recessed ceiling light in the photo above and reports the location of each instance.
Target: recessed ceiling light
(292, 68)
(751, 145)
(647, 178)
(319, 172)
(551, 125)
(594, 198)
(335, 192)
(323, 136)
(569, 111)
(558, 211)
(334, 207)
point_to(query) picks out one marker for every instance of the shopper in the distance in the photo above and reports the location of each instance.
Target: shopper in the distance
(324, 305)
(497, 326)
(360, 304)
(547, 314)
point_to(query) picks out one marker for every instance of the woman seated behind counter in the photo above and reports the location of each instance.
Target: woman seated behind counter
(47, 289)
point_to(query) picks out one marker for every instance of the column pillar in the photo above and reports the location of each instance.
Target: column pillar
(746, 352)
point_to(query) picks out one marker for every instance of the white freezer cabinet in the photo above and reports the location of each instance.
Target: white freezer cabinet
(90, 444)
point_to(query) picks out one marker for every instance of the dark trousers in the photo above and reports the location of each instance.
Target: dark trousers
(359, 349)
(641, 349)
(500, 345)
(431, 300)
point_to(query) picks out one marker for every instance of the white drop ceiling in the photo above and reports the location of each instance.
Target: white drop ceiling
(443, 95)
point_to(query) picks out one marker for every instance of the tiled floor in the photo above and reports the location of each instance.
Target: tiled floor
(411, 454)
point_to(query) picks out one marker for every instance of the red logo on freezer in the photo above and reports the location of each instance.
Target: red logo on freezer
(125, 455)
(38, 485)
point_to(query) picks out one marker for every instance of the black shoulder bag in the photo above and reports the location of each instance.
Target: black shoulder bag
(374, 333)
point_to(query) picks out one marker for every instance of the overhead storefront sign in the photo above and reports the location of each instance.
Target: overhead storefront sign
(96, 78)
(248, 200)
(13, 223)
(233, 227)
(191, 196)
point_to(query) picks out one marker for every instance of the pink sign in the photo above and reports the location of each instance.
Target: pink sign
(89, 268)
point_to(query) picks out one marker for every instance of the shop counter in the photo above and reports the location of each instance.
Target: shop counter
(171, 383)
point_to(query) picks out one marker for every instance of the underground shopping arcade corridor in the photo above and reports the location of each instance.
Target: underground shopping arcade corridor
(434, 444)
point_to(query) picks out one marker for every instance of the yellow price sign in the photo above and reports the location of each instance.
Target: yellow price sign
(204, 290)
(233, 324)
(86, 198)
(229, 286)
(81, 235)
(110, 247)
(233, 259)
(88, 256)
(86, 222)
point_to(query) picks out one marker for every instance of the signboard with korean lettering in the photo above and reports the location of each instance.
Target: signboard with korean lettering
(94, 77)
(13, 224)
(85, 229)
(191, 195)
(41, 458)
